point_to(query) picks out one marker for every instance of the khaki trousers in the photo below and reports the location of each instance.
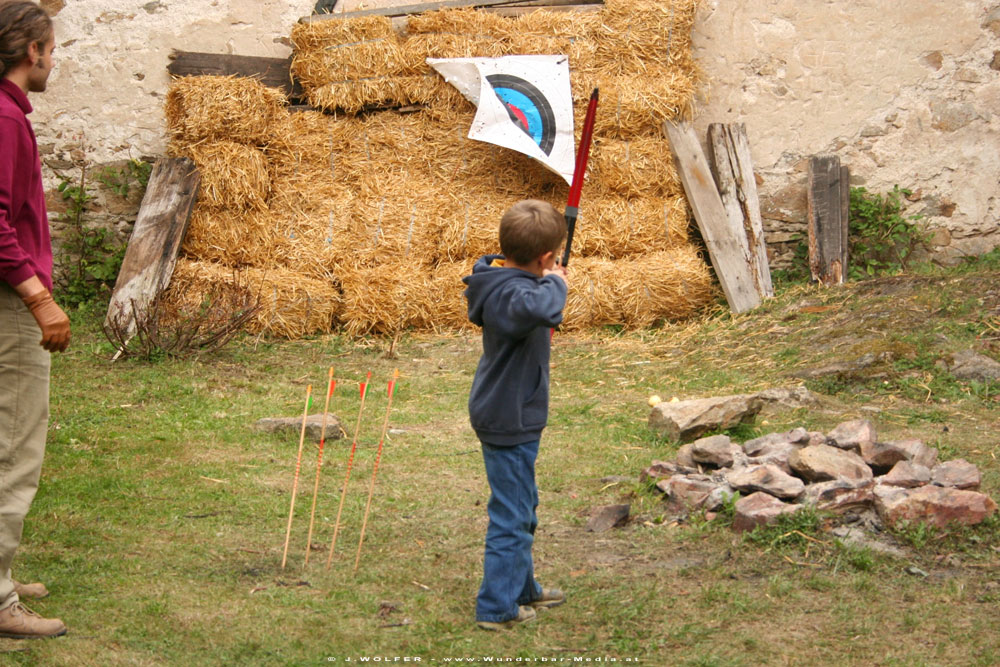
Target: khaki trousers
(24, 415)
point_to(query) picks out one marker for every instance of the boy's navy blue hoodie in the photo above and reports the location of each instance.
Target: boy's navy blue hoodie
(509, 401)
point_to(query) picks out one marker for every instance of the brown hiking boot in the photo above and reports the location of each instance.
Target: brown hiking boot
(524, 615)
(19, 622)
(35, 590)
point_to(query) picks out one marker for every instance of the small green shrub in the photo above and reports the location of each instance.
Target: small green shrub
(120, 181)
(90, 256)
(881, 238)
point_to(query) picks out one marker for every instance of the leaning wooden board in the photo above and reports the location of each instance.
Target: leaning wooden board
(733, 169)
(727, 245)
(156, 239)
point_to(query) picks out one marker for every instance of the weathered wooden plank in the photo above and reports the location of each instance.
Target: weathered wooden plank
(273, 72)
(726, 244)
(405, 10)
(827, 241)
(845, 217)
(156, 239)
(733, 169)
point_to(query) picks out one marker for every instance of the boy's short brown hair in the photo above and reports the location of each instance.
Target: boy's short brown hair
(529, 229)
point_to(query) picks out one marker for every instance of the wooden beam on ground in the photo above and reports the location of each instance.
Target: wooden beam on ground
(406, 10)
(827, 224)
(273, 72)
(733, 169)
(156, 239)
(727, 245)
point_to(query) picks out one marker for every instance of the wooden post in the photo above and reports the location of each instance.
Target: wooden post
(827, 220)
(733, 169)
(156, 239)
(727, 245)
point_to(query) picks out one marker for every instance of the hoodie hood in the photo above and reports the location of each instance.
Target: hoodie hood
(485, 278)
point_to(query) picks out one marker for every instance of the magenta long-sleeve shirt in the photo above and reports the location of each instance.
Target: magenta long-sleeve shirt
(25, 244)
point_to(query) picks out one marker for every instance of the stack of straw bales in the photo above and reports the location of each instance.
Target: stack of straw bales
(367, 220)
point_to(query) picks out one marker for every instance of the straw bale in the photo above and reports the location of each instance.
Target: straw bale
(614, 228)
(591, 300)
(310, 138)
(400, 224)
(635, 35)
(381, 56)
(332, 32)
(669, 285)
(471, 230)
(447, 305)
(642, 167)
(233, 176)
(639, 292)
(310, 191)
(635, 105)
(384, 299)
(459, 21)
(544, 32)
(353, 96)
(233, 238)
(319, 244)
(292, 305)
(214, 108)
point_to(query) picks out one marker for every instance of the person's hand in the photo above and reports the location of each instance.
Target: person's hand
(560, 271)
(51, 320)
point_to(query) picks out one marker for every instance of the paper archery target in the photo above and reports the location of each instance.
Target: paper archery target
(523, 103)
(528, 108)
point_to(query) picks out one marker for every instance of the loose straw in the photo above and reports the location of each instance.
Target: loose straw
(350, 463)
(378, 457)
(298, 465)
(331, 384)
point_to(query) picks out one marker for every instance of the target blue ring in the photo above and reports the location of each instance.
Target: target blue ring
(524, 104)
(517, 94)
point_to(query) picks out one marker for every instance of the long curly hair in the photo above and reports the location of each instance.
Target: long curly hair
(22, 24)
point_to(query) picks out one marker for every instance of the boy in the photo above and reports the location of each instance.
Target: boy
(517, 298)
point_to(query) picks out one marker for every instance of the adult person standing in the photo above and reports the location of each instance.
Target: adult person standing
(32, 325)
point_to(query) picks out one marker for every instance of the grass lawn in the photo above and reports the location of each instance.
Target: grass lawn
(160, 521)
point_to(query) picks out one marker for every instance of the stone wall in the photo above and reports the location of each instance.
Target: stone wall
(904, 92)
(104, 103)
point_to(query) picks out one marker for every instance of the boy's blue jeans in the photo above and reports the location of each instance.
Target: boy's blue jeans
(508, 572)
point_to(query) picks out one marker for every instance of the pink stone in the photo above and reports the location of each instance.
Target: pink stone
(759, 509)
(907, 474)
(840, 495)
(818, 463)
(935, 505)
(767, 478)
(851, 435)
(957, 473)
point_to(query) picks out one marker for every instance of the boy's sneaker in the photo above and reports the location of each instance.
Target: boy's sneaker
(551, 597)
(524, 615)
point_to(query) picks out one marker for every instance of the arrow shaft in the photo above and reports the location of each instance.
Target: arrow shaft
(378, 457)
(331, 383)
(298, 466)
(347, 477)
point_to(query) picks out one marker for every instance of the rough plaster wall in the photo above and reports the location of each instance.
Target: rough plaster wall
(905, 92)
(104, 102)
